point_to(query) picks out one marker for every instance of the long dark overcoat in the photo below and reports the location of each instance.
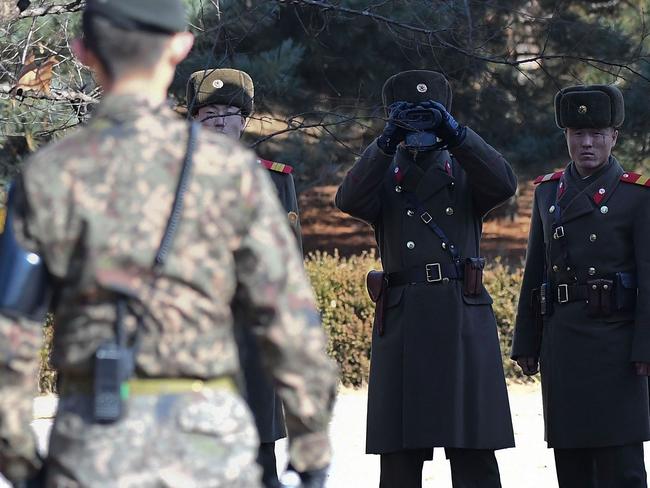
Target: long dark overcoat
(260, 394)
(592, 395)
(436, 377)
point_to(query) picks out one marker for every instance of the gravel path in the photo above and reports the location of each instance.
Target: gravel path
(530, 465)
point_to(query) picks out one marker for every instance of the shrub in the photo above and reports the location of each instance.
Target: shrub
(347, 313)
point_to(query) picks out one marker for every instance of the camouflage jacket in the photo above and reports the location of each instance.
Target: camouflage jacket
(95, 204)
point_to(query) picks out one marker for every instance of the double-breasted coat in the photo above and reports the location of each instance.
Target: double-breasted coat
(436, 376)
(592, 396)
(260, 394)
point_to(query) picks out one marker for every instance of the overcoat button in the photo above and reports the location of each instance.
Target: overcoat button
(410, 213)
(410, 245)
(592, 271)
(556, 268)
(398, 189)
(604, 209)
(593, 237)
(444, 246)
(445, 280)
(601, 191)
(449, 211)
(552, 209)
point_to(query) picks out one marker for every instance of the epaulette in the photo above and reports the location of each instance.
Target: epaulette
(636, 179)
(549, 177)
(279, 167)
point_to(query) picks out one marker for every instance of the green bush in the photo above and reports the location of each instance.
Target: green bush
(339, 284)
(347, 313)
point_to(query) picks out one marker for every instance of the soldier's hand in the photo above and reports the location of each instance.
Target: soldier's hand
(393, 132)
(313, 479)
(529, 365)
(642, 369)
(449, 130)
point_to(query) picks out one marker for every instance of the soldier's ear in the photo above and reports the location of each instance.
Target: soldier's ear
(179, 46)
(614, 137)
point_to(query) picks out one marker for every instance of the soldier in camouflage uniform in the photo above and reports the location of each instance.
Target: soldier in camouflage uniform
(94, 207)
(222, 100)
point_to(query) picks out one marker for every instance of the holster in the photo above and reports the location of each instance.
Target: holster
(545, 300)
(599, 297)
(377, 284)
(473, 277)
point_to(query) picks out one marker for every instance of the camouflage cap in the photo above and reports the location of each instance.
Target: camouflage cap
(147, 15)
(417, 86)
(589, 106)
(224, 86)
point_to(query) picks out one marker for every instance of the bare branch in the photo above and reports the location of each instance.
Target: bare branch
(55, 96)
(74, 6)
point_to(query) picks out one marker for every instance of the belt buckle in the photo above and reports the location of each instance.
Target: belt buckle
(431, 278)
(562, 293)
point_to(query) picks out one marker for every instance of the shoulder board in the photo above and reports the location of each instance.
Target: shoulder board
(279, 167)
(636, 179)
(549, 177)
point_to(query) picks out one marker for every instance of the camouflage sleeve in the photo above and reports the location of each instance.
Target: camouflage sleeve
(20, 342)
(286, 322)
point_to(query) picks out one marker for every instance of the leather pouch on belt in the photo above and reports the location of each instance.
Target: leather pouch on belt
(377, 289)
(599, 298)
(473, 277)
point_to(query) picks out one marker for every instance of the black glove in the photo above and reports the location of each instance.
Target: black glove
(449, 130)
(313, 479)
(393, 132)
(529, 365)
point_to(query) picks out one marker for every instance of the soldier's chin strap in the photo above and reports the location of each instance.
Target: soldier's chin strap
(25, 289)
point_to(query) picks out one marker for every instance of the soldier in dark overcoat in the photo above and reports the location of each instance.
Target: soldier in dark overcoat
(222, 100)
(436, 377)
(580, 320)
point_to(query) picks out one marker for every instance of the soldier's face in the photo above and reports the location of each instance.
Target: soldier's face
(590, 148)
(222, 118)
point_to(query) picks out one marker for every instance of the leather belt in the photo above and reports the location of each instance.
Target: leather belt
(570, 293)
(428, 273)
(152, 386)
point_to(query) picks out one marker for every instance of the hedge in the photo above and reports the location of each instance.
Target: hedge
(347, 313)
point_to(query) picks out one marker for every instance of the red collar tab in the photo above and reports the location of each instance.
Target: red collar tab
(279, 167)
(398, 174)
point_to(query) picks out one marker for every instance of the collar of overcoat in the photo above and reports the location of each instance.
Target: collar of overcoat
(592, 196)
(425, 182)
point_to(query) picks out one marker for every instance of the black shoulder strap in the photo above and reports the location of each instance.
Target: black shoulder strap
(177, 207)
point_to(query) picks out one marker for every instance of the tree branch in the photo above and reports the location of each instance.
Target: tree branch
(74, 6)
(55, 95)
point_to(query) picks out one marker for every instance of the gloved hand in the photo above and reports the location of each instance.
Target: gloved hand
(313, 479)
(37, 481)
(449, 130)
(529, 365)
(642, 369)
(393, 132)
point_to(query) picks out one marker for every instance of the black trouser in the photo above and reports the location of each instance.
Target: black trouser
(603, 467)
(266, 459)
(470, 468)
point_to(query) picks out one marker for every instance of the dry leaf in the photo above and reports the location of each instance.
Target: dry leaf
(35, 78)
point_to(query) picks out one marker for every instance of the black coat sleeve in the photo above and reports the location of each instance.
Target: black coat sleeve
(641, 341)
(491, 178)
(528, 332)
(358, 195)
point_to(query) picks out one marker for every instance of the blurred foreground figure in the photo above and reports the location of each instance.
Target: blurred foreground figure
(579, 321)
(143, 229)
(436, 377)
